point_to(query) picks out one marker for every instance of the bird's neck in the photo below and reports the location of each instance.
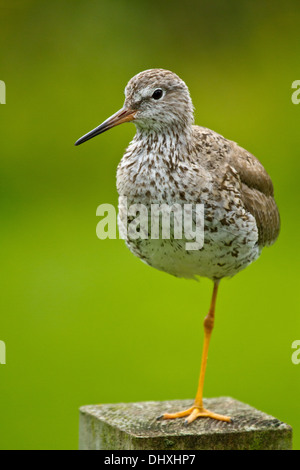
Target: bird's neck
(171, 144)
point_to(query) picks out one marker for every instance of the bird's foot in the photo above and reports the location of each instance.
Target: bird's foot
(193, 413)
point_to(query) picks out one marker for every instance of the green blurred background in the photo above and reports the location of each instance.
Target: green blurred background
(84, 321)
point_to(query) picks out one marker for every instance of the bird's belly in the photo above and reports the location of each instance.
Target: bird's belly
(227, 248)
(213, 261)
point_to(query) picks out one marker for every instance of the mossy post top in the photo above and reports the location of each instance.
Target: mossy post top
(133, 426)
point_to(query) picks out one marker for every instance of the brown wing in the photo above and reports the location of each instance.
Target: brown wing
(257, 194)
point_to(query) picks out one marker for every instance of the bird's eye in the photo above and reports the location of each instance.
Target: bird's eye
(157, 94)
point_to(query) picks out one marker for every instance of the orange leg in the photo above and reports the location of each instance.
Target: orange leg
(197, 410)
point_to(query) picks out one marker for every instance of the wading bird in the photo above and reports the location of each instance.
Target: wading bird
(172, 161)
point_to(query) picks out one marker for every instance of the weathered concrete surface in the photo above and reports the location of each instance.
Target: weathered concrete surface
(133, 426)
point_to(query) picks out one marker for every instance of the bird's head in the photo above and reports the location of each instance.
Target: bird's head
(155, 100)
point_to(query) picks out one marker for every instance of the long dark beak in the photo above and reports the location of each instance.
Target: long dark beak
(123, 115)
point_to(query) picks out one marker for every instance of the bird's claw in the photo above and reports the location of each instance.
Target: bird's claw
(193, 413)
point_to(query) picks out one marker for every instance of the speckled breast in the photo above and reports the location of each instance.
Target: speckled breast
(230, 233)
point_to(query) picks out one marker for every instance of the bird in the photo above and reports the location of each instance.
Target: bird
(172, 161)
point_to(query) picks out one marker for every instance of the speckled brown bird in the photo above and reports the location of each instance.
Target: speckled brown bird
(172, 161)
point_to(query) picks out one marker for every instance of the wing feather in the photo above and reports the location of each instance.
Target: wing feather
(257, 194)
